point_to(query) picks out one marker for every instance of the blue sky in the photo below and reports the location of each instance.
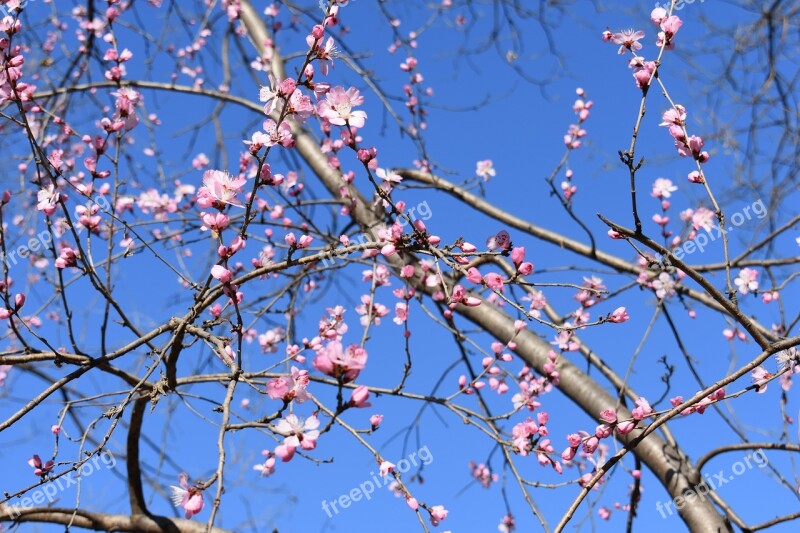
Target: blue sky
(481, 109)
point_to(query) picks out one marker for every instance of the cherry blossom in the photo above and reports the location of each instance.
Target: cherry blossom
(485, 169)
(747, 281)
(501, 241)
(267, 468)
(48, 200)
(482, 474)
(386, 468)
(628, 40)
(298, 432)
(39, 468)
(222, 274)
(664, 286)
(657, 15)
(619, 316)
(760, 378)
(507, 524)
(642, 409)
(787, 359)
(669, 27)
(277, 134)
(663, 188)
(291, 387)
(334, 361)
(189, 498)
(642, 71)
(438, 513)
(220, 187)
(337, 107)
(359, 397)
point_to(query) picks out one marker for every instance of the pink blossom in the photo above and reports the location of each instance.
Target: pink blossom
(591, 444)
(305, 241)
(359, 397)
(603, 431)
(474, 275)
(658, 15)
(266, 468)
(407, 271)
(221, 273)
(47, 199)
(619, 316)
(482, 474)
(68, 258)
(642, 409)
(563, 340)
(485, 169)
(507, 524)
(214, 221)
(386, 468)
(494, 281)
(291, 387)
(284, 452)
(747, 280)
(669, 27)
(642, 71)
(438, 513)
(664, 285)
(760, 378)
(628, 40)
(501, 241)
(663, 188)
(270, 96)
(675, 116)
(299, 432)
(696, 177)
(39, 468)
(569, 453)
(375, 421)
(189, 498)
(609, 415)
(277, 133)
(787, 359)
(518, 255)
(338, 104)
(401, 312)
(623, 428)
(690, 147)
(334, 361)
(219, 186)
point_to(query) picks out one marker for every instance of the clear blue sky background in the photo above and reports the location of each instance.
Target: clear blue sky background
(481, 110)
